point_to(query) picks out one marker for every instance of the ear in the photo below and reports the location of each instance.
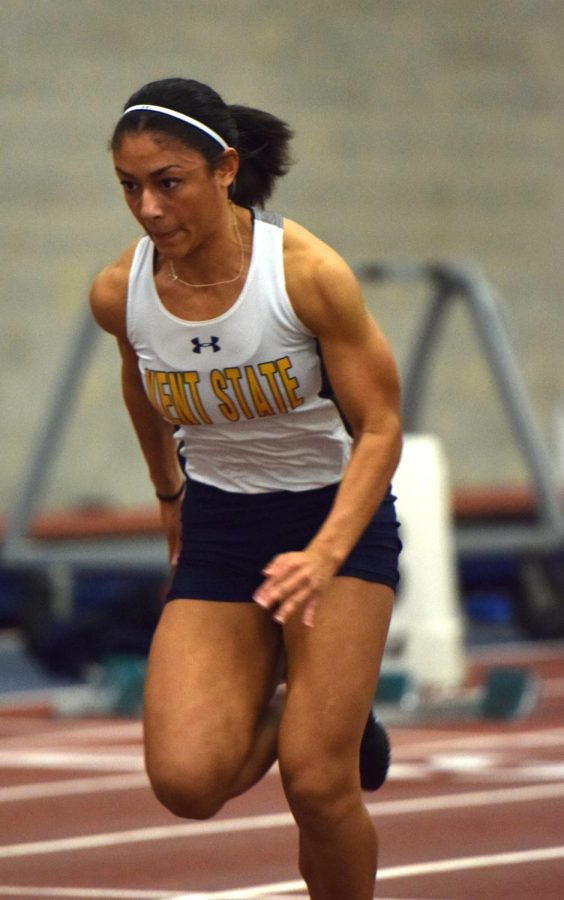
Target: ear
(228, 167)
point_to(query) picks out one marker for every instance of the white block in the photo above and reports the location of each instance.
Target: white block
(427, 625)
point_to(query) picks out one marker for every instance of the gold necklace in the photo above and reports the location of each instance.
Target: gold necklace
(176, 277)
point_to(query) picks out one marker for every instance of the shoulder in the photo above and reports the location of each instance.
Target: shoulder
(321, 285)
(108, 294)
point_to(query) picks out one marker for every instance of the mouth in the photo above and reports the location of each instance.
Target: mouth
(164, 236)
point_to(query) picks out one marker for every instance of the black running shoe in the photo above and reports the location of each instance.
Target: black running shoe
(375, 755)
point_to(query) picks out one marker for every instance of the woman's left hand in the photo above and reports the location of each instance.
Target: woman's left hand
(294, 582)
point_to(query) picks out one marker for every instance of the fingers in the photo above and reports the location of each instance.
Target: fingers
(308, 617)
(293, 582)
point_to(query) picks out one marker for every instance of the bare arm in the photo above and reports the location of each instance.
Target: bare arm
(155, 436)
(363, 375)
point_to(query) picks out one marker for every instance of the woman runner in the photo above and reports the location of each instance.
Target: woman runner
(266, 404)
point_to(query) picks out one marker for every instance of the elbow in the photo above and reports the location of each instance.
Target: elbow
(383, 441)
(395, 443)
(390, 436)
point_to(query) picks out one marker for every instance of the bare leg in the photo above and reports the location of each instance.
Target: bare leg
(353, 874)
(264, 751)
(209, 733)
(332, 671)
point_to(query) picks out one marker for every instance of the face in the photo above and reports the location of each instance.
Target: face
(172, 191)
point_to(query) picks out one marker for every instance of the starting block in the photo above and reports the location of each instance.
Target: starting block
(423, 671)
(507, 693)
(121, 683)
(114, 688)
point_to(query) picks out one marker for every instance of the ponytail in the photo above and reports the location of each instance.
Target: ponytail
(263, 146)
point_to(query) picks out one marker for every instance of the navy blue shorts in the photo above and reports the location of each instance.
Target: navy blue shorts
(227, 539)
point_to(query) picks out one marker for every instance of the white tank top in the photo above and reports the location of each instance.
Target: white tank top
(242, 389)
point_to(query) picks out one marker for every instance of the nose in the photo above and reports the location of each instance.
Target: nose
(149, 207)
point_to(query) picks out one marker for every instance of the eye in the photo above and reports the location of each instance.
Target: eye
(168, 184)
(128, 186)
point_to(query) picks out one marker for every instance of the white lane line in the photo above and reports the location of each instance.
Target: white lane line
(72, 786)
(34, 893)
(84, 893)
(142, 835)
(525, 794)
(247, 893)
(130, 758)
(549, 737)
(421, 741)
(529, 793)
(102, 732)
(534, 771)
(435, 867)
(441, 866)
(127, 761)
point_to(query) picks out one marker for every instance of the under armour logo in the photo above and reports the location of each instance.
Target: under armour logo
(198, 344)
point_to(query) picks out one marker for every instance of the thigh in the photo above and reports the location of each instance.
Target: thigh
(211, 670)
(333, 670)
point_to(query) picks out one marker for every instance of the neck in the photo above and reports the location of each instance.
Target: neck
(223, 263)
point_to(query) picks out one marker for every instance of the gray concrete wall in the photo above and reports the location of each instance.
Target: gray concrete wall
(425, 129)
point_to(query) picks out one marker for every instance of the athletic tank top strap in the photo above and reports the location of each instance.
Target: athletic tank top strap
(263, 215)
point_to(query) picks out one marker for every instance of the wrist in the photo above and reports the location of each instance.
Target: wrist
(171, 497)
(327, 552)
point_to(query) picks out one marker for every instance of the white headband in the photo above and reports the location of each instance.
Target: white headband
(178, 115)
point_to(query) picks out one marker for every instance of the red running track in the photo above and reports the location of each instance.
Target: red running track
(472, 809)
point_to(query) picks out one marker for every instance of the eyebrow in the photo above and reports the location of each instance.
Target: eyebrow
(154, 174)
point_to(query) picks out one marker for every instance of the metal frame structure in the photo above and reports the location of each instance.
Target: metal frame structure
(448, 284)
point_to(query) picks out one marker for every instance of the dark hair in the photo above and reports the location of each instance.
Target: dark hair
(261, 139)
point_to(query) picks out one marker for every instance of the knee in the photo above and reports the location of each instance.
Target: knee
(184, 792)
(320, 790)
